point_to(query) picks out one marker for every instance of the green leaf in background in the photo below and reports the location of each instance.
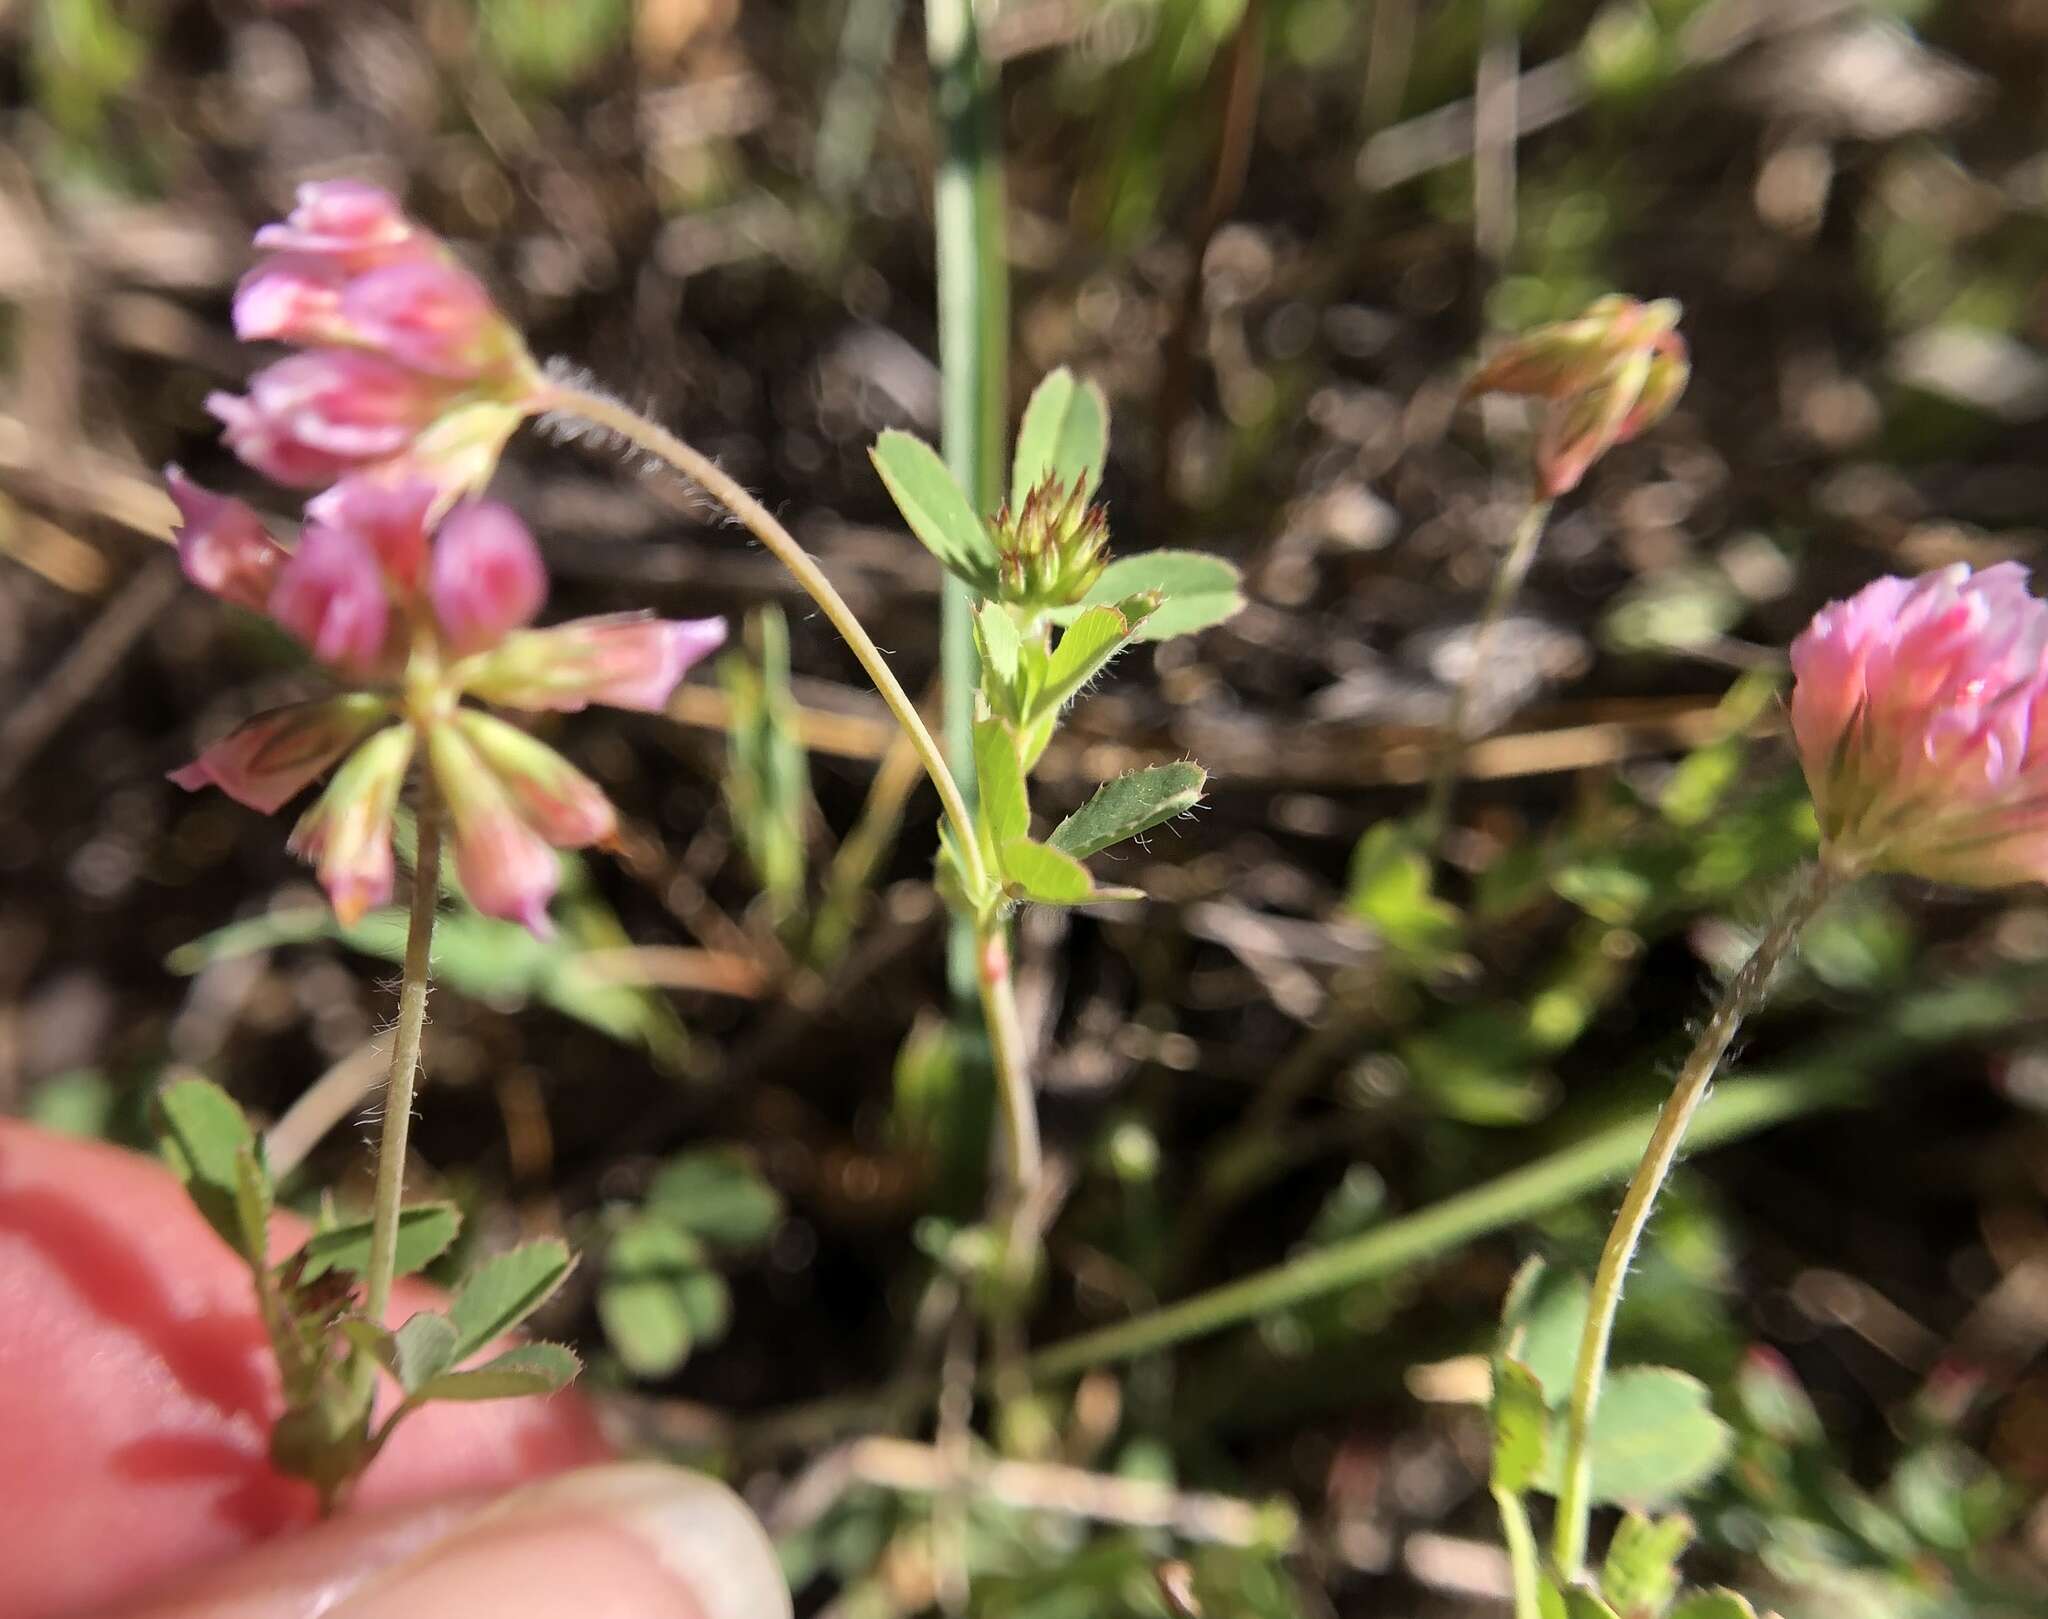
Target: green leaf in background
(1001, 647)
(938, 513)
(204, 1134)
(1553, 1317)
(1128, 805)
(503, 1291)
(640, 1302)
(422, 1349)
(1005, 809)
(1196, 590)
(1655, 1437)
(1064, 435)
(1042, 873)
(424, 1232)
(1712, 1605)
(768, 779)
(1521, 1426)
(547, 46)
(530, 1369)
(253, 1201)
(717, 1195)
(1774, 1400)
(1641, 1571)
(1392, 886)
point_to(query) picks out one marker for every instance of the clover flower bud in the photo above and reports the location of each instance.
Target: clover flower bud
(1920, 713)
(1605, 377)
(506, 868)
(626, 660)
(222, 544)
(485, 578)
(349, 221)
(269, 760)
(346, 835)
(1051, 549)
(432, 316)
(556, 799)
(390, 514)
(331, 595)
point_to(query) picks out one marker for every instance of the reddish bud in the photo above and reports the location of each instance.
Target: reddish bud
(223, 545)
(485, 577)
(626, 660)
(273, 757)
(346, 835)
(389, 511)
(348, 220)
(331, 595)
(506, 868)
(347, 403)
(556, 799)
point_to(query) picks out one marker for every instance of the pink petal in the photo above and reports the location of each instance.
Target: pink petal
(626, 660)
(349, 219)
(505, 867)
(331, 595)
(427, 314)
(274, 756)
(223, 545)
(485, 577)
(290, 299)
(389, 509)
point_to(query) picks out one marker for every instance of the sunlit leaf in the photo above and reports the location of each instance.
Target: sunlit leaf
(424, 1232)
(503, 1291)
(1064, 435)
(1128, 805)
(529, 1369)
(934, 506)
(1196, 590)
(1039, 872)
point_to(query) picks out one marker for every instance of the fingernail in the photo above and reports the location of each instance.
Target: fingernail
(634, 1539)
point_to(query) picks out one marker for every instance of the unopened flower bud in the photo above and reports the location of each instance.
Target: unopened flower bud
(626, 660)
(1606, 376)
(1052, 549)
(556, 799)
(346, 835)
(506, 868)
(350, 221)
(389, 511)
(331, 595)
(1920, 711)
(430, 315)
(486, 577)
(273, 757)
(222, 544)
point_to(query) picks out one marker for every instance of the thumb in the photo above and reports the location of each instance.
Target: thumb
(634, 1540)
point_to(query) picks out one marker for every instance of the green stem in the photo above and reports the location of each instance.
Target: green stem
(1023, 1157)
(1507, 584)
(974, 323)
(1524, 1566)
(700, 469)
(1739, 1110)
(405, 1055)
(1744, 993)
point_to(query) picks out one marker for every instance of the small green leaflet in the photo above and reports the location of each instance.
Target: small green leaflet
(1640, 1573)
(1086, 646)
(1521, 1426)
(424, 1232)
(1064, 435)
(204, 1136)
(1128, 805)
(1655, 1437)
(1045, 874)
(936, 510)
(422, 1349)
(1005, 809)
(1196, 590)
(716, 1194)
(1713, 1605)
(502, 1292)
(530, 1369)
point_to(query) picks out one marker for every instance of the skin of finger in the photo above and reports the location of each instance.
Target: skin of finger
(634, 1540)
(137, 1389)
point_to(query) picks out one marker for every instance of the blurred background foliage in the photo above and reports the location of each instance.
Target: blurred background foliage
(1275, 231)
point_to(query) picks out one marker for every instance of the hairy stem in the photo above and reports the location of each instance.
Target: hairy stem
(405, 1053)
(1745, 992)
(1507, 584)
(700, 469)
(1023, 1157)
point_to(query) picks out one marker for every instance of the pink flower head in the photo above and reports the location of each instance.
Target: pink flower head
(349, 221)
(625, 660)
(331, 595)
(275, 756)
(1605, 376)
(223, 545)
(1920, 712)
(486, 576)
(347, 832)
(390, 513)
(506, 868)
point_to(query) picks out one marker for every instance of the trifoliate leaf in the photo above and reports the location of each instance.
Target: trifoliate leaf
(502, 1292)
(1129, 805)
